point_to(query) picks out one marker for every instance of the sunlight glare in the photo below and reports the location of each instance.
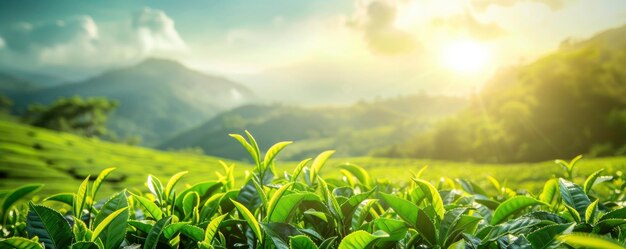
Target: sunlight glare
(465, 56)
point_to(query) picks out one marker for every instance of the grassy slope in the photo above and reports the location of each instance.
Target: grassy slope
(29, 155)
(60, 160)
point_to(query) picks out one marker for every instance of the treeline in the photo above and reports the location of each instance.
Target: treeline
(571, 102)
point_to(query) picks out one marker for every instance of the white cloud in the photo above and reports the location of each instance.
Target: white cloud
(466, 22)
(376, 20)
(156, 31)
(25, 37)
(80, 43)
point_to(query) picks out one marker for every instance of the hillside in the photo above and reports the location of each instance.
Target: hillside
(61, 160)
(10, 84)
(566, 103)
(158, 98)
(353, 130)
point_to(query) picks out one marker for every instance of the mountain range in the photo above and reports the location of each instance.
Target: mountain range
(353, 130)
(158, 98)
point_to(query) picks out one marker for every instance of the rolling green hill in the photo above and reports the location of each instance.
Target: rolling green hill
(61, 161)
(157, 97)
(566, 103)
(353, 130)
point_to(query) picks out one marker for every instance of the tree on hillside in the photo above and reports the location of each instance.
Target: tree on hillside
(5, 104)
(85, 117)
(569, 103)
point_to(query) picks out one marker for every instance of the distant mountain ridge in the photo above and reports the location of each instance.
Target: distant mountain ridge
(354, 130)
(157, 97)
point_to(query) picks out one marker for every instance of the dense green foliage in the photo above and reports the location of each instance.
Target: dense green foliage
(86, 117)
(303, 209)
(355, 130)
(562, 105)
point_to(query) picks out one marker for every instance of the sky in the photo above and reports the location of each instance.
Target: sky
(302, 51)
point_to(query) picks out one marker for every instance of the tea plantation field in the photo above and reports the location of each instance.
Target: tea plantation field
(62, 161)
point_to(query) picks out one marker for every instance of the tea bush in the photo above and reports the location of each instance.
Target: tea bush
(302, 209)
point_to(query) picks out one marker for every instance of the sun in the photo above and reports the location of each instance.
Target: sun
(465, 56)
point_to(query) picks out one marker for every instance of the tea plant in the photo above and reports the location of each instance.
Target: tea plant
(302, 209)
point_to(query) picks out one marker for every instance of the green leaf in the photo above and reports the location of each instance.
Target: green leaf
(549, 193)
(20, 243)
(405, 209)
(273, 151)
(254, 146)
(81, 198)
(301, 242)
(574, 196)
(318, 163)
(512, 205)
(466, 224)
(173, 229)
(113, 234)
(66, 198)
(253, 151)
(172, 182)
(591, 212)
(348, 207)
(450, 218)
(331, 201)
(191, 201)
(298, 170)
(590, 241)
(96, 184)
(271, 205)
(286, 205)
(50, 226)
(545, 237)
(362, 212)
(433, 195)
(249, 217)
(117, 226)
(360, 239)
(85, 245)
(607, 225)
(116, 202)
(360, 173)
(396, 229)
(144, 225)
(615, 214)
(426, 228)
(156, 188)
(590, 181)
(575, 215)
(18, 194)
(155, 233)
(279, 233)
(150, 207)
(212, 228)
(260, 193)
(204, 189)
(191, 231)
(514, 226)
(80, 230)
